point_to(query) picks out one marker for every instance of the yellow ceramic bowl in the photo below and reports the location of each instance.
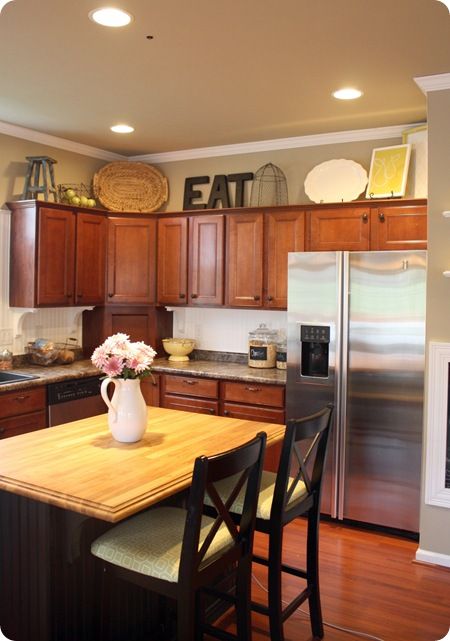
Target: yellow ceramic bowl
(178, 348)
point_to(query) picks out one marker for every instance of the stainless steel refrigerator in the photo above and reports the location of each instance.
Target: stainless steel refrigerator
(356, 337)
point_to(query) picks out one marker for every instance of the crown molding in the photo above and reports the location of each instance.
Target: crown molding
(59, 143)
(438, 82)
(277, 144)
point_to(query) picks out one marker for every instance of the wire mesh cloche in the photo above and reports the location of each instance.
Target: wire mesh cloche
(269, 187)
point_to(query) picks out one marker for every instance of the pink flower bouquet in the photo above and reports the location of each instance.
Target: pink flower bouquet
(117, 357)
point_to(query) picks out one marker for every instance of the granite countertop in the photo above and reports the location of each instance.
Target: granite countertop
(202, 368)
(221, 369)
(50, 374)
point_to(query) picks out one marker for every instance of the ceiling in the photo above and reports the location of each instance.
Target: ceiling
(216, 73)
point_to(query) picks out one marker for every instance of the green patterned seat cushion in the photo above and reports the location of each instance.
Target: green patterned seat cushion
(150, 543)
(265, 494)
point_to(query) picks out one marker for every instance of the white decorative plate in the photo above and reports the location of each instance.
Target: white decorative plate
(335, 181)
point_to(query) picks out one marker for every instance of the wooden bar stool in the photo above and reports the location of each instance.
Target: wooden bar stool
(33, 186)
(293, 491)
(179, 552)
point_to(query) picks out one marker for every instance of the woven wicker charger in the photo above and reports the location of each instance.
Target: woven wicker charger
(130, 186)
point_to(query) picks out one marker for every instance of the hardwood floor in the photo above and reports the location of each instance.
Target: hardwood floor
(369, 583)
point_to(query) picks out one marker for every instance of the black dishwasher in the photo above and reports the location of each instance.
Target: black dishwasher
(74, 399)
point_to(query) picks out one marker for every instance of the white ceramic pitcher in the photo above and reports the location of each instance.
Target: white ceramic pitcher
(127, 411)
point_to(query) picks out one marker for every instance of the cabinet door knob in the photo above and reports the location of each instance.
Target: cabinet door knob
(225, 412)
(256, 297)
(2, 430)
(381, 217)
(211, 410)
(253, 389)
(189, 382)
(194, 295)
(181, 295)
(110, 295)
(365, 217)
(269, 298)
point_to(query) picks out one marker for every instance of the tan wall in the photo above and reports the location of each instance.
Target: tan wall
(295, 163)
(70, 167)
(435, 521)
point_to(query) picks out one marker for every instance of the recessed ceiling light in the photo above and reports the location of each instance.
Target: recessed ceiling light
(3, 3)
(110, 17)
(347, 94)
(446, 2)
(122, 129)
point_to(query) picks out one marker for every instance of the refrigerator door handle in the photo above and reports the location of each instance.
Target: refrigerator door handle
(341, 392)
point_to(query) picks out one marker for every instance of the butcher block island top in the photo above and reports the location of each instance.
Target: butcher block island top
(80, 467)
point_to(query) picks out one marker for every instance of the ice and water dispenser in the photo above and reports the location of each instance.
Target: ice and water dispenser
(315, 341)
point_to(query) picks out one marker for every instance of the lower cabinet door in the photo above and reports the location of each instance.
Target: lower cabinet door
(15, 425)
(253, 413)
(188, 404)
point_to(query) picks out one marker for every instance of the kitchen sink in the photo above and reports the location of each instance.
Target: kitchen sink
(12, 377)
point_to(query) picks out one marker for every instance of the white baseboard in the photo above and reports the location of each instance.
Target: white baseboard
(425, 556)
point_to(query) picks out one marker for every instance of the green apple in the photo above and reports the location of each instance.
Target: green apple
(75, 200)
(83, 201)
(70, 193)
(91, 202)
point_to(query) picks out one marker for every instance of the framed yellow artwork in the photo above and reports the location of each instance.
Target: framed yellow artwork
(388, 171)
(417, 137)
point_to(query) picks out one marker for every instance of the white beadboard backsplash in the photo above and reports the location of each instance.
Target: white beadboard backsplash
(54, 324)
(223, 330)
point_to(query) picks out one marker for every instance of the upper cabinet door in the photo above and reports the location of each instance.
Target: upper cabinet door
(206, 259)
(90, 261)
(285, 232)
(131, 260)
(339, 229)
(244, 260)
(403, 227)
(55, 257)
(172, 261)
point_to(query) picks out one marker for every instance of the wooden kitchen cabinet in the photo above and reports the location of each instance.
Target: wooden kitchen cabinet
(191, 260)
(90, 259)
(190, 394)
(57, 256)
(244, 259)
(337, 229)
(257, 251)
(206, 260)
(172, 261)
(255, 402)
(284, 232)
(131, 268)
(141, 323)
(372, 227)
(151, 389)
(399, 227)
(22, 411)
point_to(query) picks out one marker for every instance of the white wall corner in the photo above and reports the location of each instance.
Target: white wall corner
(434, 558)
(438, 82)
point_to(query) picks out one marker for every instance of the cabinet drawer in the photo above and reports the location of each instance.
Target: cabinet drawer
(16, 425)
(188, 404)
(22, 402)
(253, 413)
(191, 386)
(272, 395)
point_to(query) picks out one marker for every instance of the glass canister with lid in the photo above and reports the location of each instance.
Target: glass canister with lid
(6, 358)
(262, 347)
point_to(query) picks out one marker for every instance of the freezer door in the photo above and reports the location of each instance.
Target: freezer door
(386, 338)
(314, 313)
